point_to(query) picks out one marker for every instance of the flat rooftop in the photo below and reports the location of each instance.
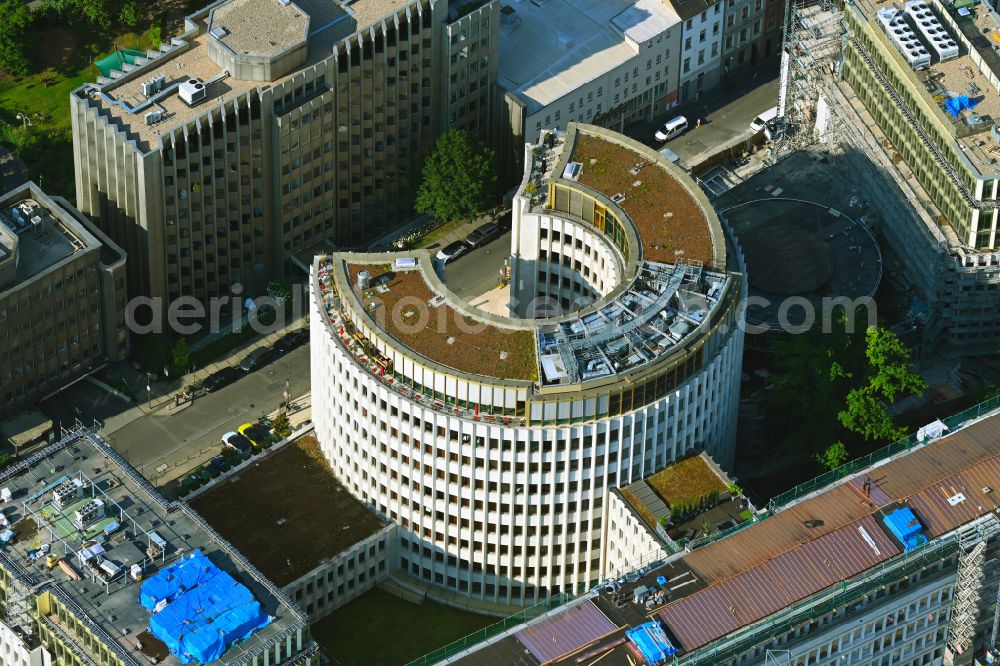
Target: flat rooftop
(260, 27)
(449, 337)
(135, 517)
(549, 49)
(805, 547)
(979, 33)
(187, 56)
(287, 529)
(671, 223)
(45, 233)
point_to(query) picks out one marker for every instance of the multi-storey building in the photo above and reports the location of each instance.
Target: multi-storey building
(89, 550)
(566, 61)
(62, 296)
(745, 35)
(701, 46)
(909, 82)
(269, 127)
(494, 440)
(895, 563)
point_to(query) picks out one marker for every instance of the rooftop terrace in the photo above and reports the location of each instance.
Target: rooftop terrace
(834, 537)
(276, 524)
(78, 501)
(260, 27)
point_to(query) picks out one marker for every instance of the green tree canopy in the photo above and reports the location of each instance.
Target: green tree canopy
(14, 33)
(459, 178)
(181, 355)
(833, 456)
(129, 14)
(889, 376)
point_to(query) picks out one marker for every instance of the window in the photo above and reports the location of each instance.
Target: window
(687, 43)
(687, 65)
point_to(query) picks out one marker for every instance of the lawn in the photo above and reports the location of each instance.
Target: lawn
(686, 480)
(379, 628)
(63, 61)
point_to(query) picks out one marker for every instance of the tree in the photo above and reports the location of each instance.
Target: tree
(282, 426)
(14, 34)
(98, 12)
(181, 355)
(889, 376)
(129, 14)
(459, 179)
(833, 456)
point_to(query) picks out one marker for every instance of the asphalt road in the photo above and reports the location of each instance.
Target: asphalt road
(476, 272)
(155, 444)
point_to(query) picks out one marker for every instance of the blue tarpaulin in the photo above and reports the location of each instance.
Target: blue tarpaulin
(652, 642)
(178, 577)
(905, 526)
(201, 621)
(956, 104)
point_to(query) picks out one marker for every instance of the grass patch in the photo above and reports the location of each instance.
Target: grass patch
(379, 628)
(63, 61)
(686, 481)
(639, 507)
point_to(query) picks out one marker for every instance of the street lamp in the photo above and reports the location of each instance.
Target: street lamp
(25, 120)
(149, 391)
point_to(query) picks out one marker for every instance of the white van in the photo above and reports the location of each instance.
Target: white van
(671, 128)
(761, 121)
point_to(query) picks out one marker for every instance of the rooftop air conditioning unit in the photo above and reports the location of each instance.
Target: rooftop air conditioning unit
(192, 91)
(154, 85)
(153, 117)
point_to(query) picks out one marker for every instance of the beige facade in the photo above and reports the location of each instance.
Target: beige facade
(329, 150)
(62, 308)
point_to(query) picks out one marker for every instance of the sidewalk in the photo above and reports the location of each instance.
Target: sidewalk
(163, 391)
(299, 416)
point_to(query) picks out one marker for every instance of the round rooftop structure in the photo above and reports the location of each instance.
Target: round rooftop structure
(624, 336)
(258, 40)
(795, 248)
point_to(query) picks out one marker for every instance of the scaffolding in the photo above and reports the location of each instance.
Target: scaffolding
(811, 52)
(968, 597)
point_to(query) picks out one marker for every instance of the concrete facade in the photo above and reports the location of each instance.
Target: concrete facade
(348, 574)
(701, 47)
(220, 193)
(63, 308)
(499, 482)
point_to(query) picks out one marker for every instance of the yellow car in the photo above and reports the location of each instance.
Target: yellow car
(256, 433)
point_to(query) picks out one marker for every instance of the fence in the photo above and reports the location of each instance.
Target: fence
(495, 629)
(905, 444)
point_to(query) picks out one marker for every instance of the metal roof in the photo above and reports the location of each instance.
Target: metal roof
(565, 633)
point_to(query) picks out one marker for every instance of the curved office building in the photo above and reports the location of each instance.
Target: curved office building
(494, 440)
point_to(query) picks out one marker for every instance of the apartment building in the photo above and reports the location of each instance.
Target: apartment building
(590, 61)
(895, 563)
(908, 66)
(270, 128)
(62, 296)
(701, 46)
(746, 35)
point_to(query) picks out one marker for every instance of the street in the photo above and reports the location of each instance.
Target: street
(158, 443)
(476, 271)
(725, 117)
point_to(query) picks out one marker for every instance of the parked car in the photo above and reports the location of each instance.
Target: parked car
(761, 121)
(219, 379)
(238, 443)
(256, 433)
(218, 465)
(671, 128)
(452, 251)
(291, 340)
(258, 358)
(483, 235)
